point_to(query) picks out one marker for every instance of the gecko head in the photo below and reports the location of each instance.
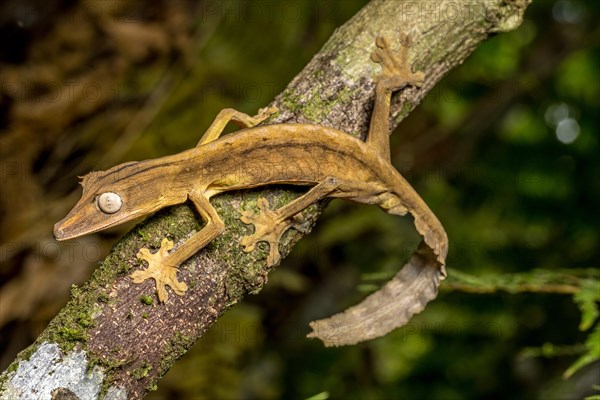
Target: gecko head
(110, 198)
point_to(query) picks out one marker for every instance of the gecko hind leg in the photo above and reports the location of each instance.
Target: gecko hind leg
(396, 74)
(241, 119)
(269, 225)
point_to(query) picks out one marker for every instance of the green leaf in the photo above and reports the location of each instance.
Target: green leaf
(587, 300)
(319, 396)
(593, 353)
(594, 396)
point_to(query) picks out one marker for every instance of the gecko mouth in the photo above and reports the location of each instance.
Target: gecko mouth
(69, 228)
(62, 231)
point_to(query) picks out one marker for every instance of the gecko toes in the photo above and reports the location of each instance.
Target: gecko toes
(262, 203)
(138, 276)
(405, 39)
(178, 287)
(376, 57)
(396, 71)
(143, 254)
(248, 244)
(161, 291)
(159, 269)
(166, 245)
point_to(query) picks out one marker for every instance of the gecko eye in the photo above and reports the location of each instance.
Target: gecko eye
(109, 202)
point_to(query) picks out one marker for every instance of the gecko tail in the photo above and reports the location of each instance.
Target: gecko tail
(391, 307)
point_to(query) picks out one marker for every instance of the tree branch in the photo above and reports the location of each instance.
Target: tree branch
(112, 338)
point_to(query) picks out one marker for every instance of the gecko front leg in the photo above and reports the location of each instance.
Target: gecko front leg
(163, 266)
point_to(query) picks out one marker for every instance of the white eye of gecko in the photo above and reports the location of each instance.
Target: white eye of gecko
(109, 202)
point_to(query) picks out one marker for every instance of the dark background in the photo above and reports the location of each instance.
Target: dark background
(504, 150)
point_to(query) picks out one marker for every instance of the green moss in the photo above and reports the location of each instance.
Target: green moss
(72, 335)
(177, 346)
(142, 371)
(110, 367)
(85, 320)
(12, 368)
(152, 388)
(290, 100)
(317, 108)
(27, 353)
(143, 234)
(147, 300)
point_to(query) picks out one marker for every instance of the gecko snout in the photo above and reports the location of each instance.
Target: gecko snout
(62, 231)
(58, 232)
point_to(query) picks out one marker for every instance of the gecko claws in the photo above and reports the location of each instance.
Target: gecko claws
(163, 274)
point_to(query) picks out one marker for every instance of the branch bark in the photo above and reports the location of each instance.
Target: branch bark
(111, 339)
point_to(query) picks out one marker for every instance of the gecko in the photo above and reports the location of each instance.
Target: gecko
(331, 163)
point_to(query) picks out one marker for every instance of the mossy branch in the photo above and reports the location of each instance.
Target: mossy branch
(121, 340)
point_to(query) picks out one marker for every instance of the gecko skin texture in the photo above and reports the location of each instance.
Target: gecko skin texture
(330, 162)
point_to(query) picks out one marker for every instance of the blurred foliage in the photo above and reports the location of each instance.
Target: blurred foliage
(584, 284)
(504, 150)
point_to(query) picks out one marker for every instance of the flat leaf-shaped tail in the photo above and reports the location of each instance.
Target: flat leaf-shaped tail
(409, 291)
(389, 308)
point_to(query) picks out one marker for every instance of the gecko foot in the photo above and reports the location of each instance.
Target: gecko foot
(263, 114)
(396, 71)
(269, 226)
(163, 274)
